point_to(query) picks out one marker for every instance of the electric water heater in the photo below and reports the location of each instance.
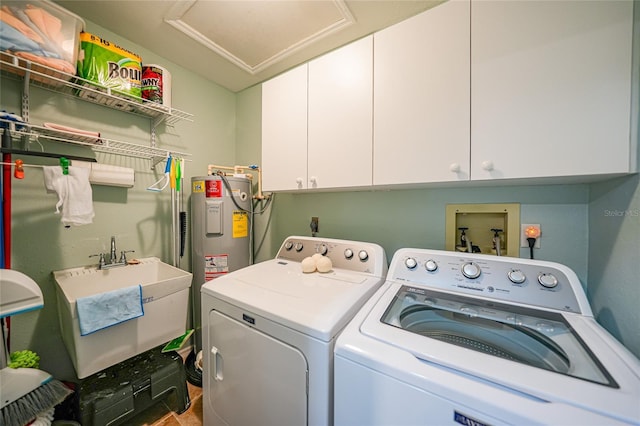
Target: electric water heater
(220, 228)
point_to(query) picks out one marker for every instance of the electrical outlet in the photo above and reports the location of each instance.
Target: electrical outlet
(523, 234)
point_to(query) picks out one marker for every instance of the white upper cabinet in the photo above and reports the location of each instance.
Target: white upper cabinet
(340, 117)
(468, 90)
(284, 131)
(317, 122)
(551, 88)
(421, 98)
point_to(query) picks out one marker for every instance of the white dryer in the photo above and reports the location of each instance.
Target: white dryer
(456, 338)
(269, 331)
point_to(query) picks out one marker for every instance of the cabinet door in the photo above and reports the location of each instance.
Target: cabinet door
(421, 98)
(284, 131)
(550, 88)
(340, 117)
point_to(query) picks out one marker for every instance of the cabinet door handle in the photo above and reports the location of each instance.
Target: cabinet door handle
(487, 165)
(314, 181)
(216, 364)
(455, 167)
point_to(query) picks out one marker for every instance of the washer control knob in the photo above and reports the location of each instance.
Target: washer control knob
(516, 276)
(471, 270)
(299, 246)
(431, 265)
(288, 245)
(323, 249)
(410, 263)
(363, 255)
(547, 280)
(348, 253)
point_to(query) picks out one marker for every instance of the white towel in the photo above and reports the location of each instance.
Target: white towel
(107, 309)
(74, 194)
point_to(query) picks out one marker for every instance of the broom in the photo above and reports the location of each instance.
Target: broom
(27, 392)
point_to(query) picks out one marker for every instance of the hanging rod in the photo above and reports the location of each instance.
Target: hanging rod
(46, 154)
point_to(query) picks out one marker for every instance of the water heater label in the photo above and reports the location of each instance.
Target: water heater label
(240, 224)
(197, 186)
(214, 188)
(215, 265)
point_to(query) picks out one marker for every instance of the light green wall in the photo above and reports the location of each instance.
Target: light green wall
(614, 258)
(248, 152)
(614, 237)
(416, 218)
(140, 219)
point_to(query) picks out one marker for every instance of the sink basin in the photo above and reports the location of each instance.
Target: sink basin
(165, 298)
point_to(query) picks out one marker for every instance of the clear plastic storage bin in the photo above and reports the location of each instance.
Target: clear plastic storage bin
(40, 32)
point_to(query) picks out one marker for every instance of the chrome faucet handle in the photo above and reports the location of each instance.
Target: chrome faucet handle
(101, 261)
(123, 255)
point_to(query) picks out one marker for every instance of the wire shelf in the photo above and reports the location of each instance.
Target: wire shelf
(33, 132)
(52, 79)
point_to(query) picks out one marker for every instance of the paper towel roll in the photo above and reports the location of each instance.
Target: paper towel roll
(156, 84)
(105, 174)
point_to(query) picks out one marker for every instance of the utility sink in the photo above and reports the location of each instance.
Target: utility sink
(165, 298)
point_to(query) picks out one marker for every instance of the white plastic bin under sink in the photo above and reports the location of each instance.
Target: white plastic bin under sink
(165, 295)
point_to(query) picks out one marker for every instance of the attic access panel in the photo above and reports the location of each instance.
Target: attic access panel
(258, 33)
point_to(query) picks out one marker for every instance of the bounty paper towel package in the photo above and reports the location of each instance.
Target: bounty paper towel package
(109, 65)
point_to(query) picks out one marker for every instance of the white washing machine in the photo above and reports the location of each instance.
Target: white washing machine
(456, 338)
(269, 332)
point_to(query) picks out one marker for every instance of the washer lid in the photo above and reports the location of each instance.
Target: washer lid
(316, 304)
(540, 339)
(603, 377)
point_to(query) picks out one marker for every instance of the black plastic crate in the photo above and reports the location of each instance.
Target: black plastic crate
(114, 395)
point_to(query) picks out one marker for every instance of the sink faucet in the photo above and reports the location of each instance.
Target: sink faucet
(113, 257)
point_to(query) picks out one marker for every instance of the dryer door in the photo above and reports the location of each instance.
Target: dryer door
(254, 378)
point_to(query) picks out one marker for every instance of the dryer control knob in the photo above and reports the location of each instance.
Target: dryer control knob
(348, 253)
(323, 249)
(288, 245)
(471, 270)
(410, 263)
(299, 246)
(363, 255)
(547, 280)
(431, 265)
(516, 276)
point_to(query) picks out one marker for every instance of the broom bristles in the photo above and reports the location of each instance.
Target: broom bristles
(24, 409)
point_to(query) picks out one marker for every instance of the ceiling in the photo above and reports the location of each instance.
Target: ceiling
(239, 43)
